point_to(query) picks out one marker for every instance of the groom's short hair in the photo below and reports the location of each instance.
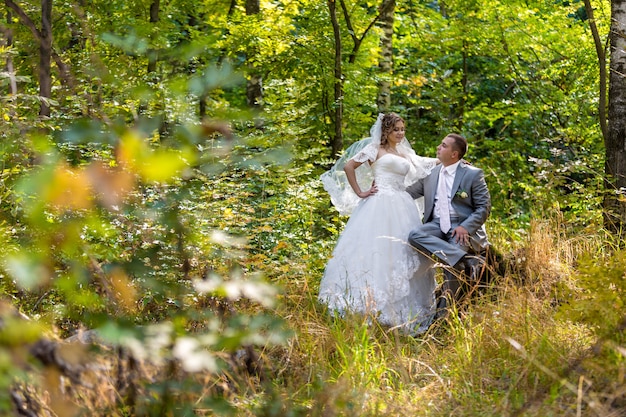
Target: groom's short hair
(460, 144)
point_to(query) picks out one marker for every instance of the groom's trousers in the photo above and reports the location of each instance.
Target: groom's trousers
(429, 239)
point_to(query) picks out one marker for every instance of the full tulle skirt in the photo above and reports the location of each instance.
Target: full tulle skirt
(373, 269)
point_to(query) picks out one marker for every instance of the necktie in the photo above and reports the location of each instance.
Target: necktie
(442, 202)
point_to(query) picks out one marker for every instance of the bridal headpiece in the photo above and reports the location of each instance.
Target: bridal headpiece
(376, 131)
(366, 151)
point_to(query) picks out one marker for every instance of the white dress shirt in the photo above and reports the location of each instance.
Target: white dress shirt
(449, 178)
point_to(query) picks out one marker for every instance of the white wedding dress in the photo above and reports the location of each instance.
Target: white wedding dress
(373, 269)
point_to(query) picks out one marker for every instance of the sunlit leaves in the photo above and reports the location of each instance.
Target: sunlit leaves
(16, 331)
(68, 189)
(149, 343)
(238, 288)
(130, 43)
(193, 356)
(132, 209)
(110, 184)
(123, 289)
(213, 77)
(27, 269)
(59, 188)
(160, 165)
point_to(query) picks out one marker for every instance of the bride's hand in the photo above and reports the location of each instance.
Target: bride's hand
(373, 190)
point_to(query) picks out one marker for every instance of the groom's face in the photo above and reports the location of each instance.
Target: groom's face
(446, 153)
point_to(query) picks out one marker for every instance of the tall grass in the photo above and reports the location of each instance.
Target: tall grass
(521, 347)
(506, 352)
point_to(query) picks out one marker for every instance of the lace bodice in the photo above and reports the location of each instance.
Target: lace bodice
(389, 172)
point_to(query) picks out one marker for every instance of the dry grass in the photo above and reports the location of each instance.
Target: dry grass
(507, 353)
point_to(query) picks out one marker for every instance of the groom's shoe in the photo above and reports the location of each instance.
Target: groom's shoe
(441, 312)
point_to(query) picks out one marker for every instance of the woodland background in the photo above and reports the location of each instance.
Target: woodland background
(164, 230)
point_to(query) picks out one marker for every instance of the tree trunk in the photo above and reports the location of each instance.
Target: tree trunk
(615, 142)
(600, 51)
(464, 78)
(442, 8)
(254, 89)
(46, 52)
(253, 7)
(9, 62)
(231, 8)
(154, 18)
(45, 57)
(358, 40)
(383, 100)
(202, 102)
(337, 142)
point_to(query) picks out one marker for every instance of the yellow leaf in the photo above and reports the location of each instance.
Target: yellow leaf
(123, 289)
(279, 246)
(162, 166)
(132, 150)
(68, 189)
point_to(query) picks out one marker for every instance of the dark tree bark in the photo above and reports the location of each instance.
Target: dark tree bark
(231, 8)
(44, 37)
(254, 86)
(383, 101)
(442, 9)
(337, 141)
(615, 141)
(154, 18)
(45, 56)
(253, 7)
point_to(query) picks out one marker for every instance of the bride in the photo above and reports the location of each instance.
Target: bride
(373, 270)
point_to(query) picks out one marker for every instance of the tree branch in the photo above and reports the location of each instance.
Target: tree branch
(602, 67)
(25, 19)
(359, 40)
(64, 71)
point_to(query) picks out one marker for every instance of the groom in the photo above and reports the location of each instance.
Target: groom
(456, 206)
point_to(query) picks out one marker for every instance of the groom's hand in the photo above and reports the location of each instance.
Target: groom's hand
(461, 236)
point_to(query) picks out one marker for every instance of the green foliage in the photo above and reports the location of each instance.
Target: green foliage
(101, 236)
(508, 77)
(599, 300)
(128, 213)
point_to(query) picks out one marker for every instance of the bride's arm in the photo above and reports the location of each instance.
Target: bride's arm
(350, 169)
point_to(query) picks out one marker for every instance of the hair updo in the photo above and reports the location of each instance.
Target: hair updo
(387, 125)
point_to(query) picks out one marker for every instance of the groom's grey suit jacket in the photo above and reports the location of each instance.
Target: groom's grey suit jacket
(472, 210)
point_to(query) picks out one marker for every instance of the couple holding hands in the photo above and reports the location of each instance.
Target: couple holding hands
(383, 261)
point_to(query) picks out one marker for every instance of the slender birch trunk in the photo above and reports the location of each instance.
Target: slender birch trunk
(337, 142)
(383, 101)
